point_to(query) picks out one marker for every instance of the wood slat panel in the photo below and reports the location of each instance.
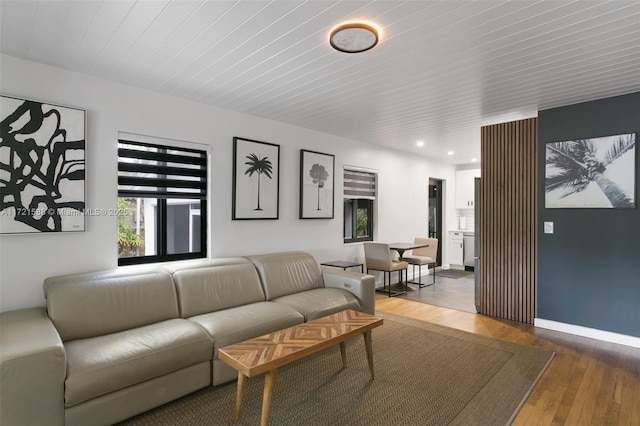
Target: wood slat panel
(508, 236)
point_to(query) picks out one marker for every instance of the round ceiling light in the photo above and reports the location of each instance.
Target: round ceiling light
(354, 37)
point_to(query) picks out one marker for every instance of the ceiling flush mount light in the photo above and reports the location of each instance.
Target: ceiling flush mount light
(420, 143)
(354, 37)
(450, 153)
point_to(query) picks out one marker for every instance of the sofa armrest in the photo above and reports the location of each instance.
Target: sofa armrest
(32, 369)
(363, 286)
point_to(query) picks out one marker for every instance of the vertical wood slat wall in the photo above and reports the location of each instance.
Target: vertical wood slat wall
(508, 207)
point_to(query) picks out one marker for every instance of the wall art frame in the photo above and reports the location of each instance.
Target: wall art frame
(317, 185)
(42, 162)
(591, 173)
(256, 180)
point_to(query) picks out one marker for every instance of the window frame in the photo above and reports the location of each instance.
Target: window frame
(360, 189)
(161, 213)
(161, 239)
(354, 221)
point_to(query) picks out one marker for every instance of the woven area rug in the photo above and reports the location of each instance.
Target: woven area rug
(425, 374)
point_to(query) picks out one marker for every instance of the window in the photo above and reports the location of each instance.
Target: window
(359, 197)
(162, 202)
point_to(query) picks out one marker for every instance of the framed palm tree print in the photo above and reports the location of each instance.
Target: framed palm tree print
(256, 180)
(316, 185)
(591, 173)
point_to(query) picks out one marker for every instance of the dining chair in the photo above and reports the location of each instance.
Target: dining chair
(378, 258)
(423, 256)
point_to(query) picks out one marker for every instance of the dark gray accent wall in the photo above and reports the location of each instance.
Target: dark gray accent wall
(589, 269)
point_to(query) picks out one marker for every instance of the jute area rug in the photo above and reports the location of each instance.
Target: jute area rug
(425, 374)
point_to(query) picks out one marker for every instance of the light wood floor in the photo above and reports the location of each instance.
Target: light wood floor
(589, 382)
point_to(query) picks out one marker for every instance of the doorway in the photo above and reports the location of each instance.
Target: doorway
(435, 215)
(450, 290)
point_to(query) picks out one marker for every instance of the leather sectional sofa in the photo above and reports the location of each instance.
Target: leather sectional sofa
(113, 344)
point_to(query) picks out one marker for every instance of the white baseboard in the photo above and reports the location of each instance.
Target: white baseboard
(593, 333)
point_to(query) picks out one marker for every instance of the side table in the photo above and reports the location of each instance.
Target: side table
(344, 265)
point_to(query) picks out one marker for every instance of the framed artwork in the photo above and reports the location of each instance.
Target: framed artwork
(42, 167)
(317, 177)
(256, 179)
(591, 173)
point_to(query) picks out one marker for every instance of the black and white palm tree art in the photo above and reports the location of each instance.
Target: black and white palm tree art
(259, 166)
(580, 163)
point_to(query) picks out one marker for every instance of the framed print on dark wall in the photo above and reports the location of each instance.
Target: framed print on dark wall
(591, 173)
(317, 177)
(256, 179)
(42, 163)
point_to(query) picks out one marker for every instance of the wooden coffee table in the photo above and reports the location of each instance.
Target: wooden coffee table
(266, 353)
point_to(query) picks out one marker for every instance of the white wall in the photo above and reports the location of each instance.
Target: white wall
(25, 260)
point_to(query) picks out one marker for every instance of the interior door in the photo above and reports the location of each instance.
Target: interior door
(435, 215)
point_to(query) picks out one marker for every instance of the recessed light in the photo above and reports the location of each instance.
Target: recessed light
(354, 37)
(473, 160)
(450, 153)
(420, 143)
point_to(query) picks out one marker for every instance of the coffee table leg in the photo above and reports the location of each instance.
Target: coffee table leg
(369, 348)
(269, 382)
(239, 390)
(343, 352)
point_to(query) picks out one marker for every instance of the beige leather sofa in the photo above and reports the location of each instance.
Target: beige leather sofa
(113, 344)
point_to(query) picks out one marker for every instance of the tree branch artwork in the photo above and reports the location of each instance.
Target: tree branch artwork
(319, 175)
(591, 166)
(316, 185)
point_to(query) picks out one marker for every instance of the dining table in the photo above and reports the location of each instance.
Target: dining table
(402, 247)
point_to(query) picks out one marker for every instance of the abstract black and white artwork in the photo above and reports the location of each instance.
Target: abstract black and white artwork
(591, 173)
(42, 167)
(256, 179)
(316, 185)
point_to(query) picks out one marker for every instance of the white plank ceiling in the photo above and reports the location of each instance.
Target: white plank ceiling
(441, 70)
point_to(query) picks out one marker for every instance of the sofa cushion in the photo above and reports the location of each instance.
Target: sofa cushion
(100, 365)
(210, 289)
(246, 322)
(320, 302)
(286, 273)
(180, 265)
(89, 305)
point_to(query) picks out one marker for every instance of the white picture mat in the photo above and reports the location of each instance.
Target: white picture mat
(312, 196)
(246, 187)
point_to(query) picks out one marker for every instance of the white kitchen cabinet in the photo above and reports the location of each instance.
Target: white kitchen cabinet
(456, 248)
(465, 195)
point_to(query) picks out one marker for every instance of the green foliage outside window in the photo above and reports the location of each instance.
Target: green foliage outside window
(129, 242)
(358, 220)
(362, 221)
